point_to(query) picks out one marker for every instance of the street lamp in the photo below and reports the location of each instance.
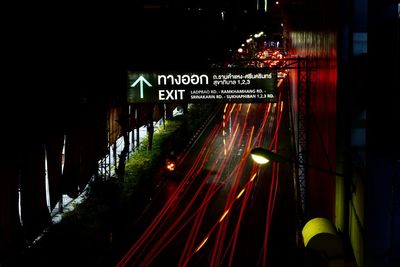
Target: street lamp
(318, 226)
(263, 156)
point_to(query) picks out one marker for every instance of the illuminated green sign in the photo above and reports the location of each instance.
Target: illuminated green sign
(220, 85)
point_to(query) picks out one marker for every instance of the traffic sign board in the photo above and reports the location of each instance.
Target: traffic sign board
(219, 85)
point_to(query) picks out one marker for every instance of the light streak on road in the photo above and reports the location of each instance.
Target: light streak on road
(223, 216)
(240, 193)
(201, 244)
(220, 163)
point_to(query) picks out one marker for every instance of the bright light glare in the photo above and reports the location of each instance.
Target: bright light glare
(171, 166)
(259, 159)
(258, 35)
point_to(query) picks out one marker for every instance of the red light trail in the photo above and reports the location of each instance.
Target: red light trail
(221, 163)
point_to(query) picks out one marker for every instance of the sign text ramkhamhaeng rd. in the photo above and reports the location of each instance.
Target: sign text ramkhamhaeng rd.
(244, 85)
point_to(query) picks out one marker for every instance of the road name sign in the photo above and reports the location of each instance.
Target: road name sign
(219, 85)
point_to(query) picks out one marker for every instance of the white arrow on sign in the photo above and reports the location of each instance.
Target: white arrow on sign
(141, 80)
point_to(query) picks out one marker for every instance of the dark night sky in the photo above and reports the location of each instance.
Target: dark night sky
(59, 53)
(97, 33)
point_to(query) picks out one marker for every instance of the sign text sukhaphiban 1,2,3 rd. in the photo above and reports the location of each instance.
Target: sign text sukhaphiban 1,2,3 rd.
(219, 85)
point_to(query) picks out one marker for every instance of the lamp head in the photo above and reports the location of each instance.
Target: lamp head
(259, 155)
(262, 156)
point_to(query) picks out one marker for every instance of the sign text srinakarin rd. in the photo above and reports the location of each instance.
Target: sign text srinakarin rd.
(220, 85)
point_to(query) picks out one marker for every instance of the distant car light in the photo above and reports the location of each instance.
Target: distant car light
(171, 165)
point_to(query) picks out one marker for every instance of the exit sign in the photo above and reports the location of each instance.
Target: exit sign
(220, 85)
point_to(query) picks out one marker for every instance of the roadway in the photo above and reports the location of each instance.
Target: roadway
(217, 208)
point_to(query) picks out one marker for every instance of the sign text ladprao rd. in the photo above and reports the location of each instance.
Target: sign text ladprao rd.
(236, 85)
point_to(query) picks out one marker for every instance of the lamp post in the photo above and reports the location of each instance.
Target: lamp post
(263, 156)
(316, 225)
